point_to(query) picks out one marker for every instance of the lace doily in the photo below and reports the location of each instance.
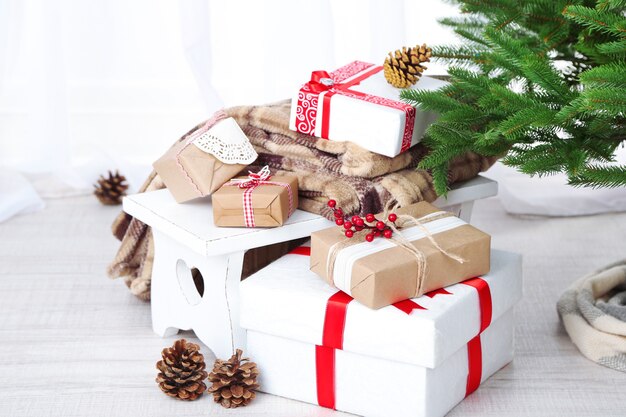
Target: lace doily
(227, 142)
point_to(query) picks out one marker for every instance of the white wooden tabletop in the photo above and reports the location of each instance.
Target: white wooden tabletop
(73, 343)
(191, 223)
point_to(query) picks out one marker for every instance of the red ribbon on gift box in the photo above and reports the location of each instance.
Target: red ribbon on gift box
(335, 321)
(339, 82)
(254, 180)
(332, 339)
(407, 306)
(474, 347)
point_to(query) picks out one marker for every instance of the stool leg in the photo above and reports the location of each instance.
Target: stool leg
(466, 211)
(165, 297)
(177, 304)
(216, 318)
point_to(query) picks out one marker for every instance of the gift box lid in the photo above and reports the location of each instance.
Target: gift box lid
(286, 299)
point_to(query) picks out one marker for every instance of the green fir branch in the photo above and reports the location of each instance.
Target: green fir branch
(517, 125)
(605, 76)
(605, 100)
(449, 141)
(541, 159)
(542, 73)
(440, 178)
(431, 100)
(472, 36)
(595, 20)
(510, 94)
(608, 5)
(617, 48)
(597, 176)
(459, 55)
(510, 100)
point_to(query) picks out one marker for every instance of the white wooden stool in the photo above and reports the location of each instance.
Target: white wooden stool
(185, 238)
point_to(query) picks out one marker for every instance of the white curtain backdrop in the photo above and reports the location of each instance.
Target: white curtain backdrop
(87, 86)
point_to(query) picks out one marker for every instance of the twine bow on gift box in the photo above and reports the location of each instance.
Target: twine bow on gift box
(254, 180)
(390, 228)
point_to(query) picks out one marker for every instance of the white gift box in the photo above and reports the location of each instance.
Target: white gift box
(371, 386)
(427, 350)
(356, 103)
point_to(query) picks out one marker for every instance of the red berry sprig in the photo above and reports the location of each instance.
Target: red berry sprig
(375, 227)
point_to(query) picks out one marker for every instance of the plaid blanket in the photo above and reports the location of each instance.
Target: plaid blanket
(593, 312)
(360, 181)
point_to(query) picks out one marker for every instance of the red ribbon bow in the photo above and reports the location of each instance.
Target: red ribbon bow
(322, 81)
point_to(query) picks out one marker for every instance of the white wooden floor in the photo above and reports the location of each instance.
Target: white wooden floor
(74, 343)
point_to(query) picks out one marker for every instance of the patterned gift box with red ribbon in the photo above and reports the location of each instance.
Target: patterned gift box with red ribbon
(355, 103)
(418, 357)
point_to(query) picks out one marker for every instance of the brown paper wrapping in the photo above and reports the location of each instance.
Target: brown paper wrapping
(270, 203)
(389, 276)
(205, 170)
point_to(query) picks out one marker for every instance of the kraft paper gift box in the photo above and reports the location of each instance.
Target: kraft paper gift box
(269, 204)
(198, 165)
(356, 103)
(380, 273)
(314, 343)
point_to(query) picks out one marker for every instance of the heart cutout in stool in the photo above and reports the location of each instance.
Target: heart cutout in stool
(191, 282)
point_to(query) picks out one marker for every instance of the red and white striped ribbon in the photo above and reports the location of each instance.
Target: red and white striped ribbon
(254, 180)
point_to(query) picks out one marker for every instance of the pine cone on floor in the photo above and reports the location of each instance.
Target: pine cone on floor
(402, 68)
(234, 381)
(111, 190)
(182, 371)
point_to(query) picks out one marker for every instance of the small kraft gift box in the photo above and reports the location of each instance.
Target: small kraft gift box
(316, 344)
(211, 155)
(355, 103)
(432, 249)
(258, 200)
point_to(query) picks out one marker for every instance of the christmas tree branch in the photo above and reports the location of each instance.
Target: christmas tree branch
(511, 93)
(600, 176)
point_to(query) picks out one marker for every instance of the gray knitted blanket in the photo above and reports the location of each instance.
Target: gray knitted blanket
(593, 312)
